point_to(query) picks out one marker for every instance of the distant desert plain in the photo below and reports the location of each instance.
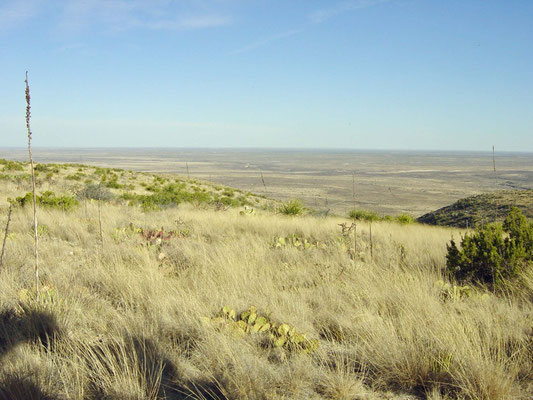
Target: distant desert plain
(387, 182)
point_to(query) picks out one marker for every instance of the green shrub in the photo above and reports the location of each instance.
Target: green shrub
(243, 201)
(48, 199)
(12, 166)
(169, 195)
(113, 185)
(153, 188)
(405, 219)
(228, 201)
(494, 253)
(364, 215)
(46, 168)
(75, 177)
(95, 192)
(292, 207)
(99, 171)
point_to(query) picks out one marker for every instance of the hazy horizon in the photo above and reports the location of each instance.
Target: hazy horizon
(267, 149)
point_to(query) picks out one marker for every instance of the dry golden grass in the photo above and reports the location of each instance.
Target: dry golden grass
(127, 323)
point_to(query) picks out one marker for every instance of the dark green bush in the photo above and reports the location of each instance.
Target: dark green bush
(48, 199)
(46, 168)
(494, 253)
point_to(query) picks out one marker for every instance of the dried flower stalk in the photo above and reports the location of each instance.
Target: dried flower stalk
(5, 235)
(36, 242)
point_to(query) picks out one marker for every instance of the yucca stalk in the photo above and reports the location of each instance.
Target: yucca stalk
(354, 218)
(100, 215)
(36, 242)
(6, 232)
(263, 180)
(371, 242)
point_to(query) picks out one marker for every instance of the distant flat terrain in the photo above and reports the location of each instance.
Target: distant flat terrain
(388, 182)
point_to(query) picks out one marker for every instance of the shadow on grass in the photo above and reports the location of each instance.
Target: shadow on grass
(15, 387)
(145, 361)
(109, 357)
(30, 325)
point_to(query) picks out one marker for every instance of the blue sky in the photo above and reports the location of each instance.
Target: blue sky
(363, 74)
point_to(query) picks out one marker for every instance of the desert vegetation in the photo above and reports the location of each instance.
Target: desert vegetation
(194, 298)
(482, 209)
(495, 254)
(368, 215)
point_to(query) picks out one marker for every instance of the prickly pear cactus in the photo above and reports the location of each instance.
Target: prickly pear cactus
(449, 292)
(250, 322)
(298, 242)
(247, 211)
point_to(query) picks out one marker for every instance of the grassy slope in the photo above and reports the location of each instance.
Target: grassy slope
(483, 208)
(126, 322)
(72, 178)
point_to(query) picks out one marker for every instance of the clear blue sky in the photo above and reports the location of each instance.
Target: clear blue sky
(365, 74)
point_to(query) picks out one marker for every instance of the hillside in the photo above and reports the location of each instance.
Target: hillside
(483, 208)
(181, 298)
(150, 191)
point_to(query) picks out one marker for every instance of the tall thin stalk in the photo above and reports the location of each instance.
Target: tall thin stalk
(354, 219)
(100, 215)
(36, 241)
(263, 180)
(5, 235)
(493, 159)
(371, 242)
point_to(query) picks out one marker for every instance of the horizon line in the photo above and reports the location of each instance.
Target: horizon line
(245, 148)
